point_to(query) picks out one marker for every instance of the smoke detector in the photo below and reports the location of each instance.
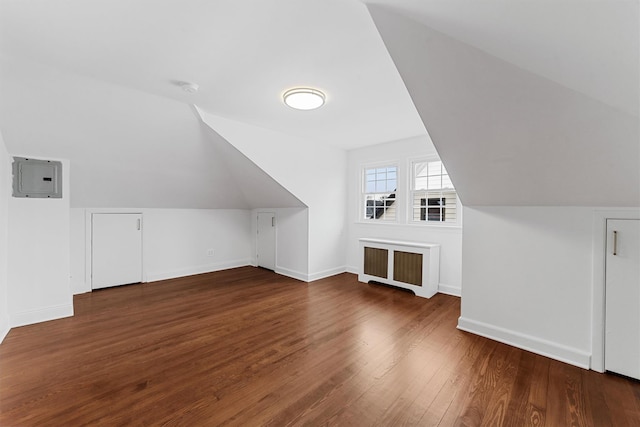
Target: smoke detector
(189, 87)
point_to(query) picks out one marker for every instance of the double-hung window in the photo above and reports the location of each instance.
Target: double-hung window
(433, 198)
(379, 193)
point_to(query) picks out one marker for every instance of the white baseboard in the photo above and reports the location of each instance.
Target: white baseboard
(352, 269)
(198, 269)
(29, 317)
(326, 273)
(292, 273)
(310, 277)
(563, 353)
(4, 328)
(449, 290)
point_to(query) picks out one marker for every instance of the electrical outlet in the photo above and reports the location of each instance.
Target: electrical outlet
(210, 252)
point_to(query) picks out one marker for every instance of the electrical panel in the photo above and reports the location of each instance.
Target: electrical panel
(35, 178)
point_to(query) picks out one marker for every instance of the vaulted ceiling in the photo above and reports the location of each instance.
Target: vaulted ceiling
(511, 136)
(98, 83)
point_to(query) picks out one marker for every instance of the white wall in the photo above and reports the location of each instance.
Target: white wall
(512, 139)
(175, 242)
(127, 147)
(450, 238)
(314, 173)
(292, 240)
(5, 194)
(528, 274)
(38, 262)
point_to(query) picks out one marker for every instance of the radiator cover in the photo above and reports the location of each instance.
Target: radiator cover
(410, 265)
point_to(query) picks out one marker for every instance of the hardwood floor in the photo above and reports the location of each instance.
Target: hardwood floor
(248, 347)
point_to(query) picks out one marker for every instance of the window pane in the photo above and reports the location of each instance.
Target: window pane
(370, 187)
(421, 183)
(435, 182)
(435, 168)
(391, 185)
(369, 206)
(446, 182)
(434, 214)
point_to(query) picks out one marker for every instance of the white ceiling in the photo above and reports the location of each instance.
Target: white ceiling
(590, 46)
(510, 137)
(244, 54)
(95, 81)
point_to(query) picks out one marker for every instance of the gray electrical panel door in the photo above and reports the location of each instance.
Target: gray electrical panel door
(37, 178)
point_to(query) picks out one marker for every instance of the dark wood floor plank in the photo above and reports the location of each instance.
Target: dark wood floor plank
(451, 400)
(249, 347)
(517, 410)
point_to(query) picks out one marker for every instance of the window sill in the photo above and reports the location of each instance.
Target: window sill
(411, 224)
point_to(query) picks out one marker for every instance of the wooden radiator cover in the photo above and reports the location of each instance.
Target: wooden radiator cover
(409, 265)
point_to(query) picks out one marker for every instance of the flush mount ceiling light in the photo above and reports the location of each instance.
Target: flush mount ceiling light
(304, 98)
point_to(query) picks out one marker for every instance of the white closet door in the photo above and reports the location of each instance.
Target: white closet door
(622, 324)
(266, 252)
(116, 250)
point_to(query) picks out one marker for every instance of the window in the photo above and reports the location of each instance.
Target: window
(379, 193)
(433, 198)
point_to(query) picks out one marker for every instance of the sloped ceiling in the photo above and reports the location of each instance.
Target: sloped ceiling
(592, 47)
(127, 148)
(510, 136)
(517, 87)
(98, 83)
(243, 54)
(259, 189)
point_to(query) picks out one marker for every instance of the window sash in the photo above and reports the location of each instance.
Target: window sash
(433, 197)
(434, 206)
(379, 191)
(430, 175)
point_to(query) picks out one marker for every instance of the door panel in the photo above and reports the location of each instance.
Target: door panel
(266, 247)
(116, 249)
(622, 323)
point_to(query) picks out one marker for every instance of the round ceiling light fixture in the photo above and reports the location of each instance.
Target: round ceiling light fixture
(304, 98)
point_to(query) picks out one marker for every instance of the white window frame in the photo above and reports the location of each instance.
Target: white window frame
(363, 194)
(410, 196)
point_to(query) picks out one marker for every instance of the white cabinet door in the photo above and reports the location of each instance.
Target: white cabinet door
(622, 324)
(266, 247)
(116, 249)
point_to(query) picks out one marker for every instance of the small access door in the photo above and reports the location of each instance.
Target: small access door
(266, 245)
(116, 249)
(622, 294)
